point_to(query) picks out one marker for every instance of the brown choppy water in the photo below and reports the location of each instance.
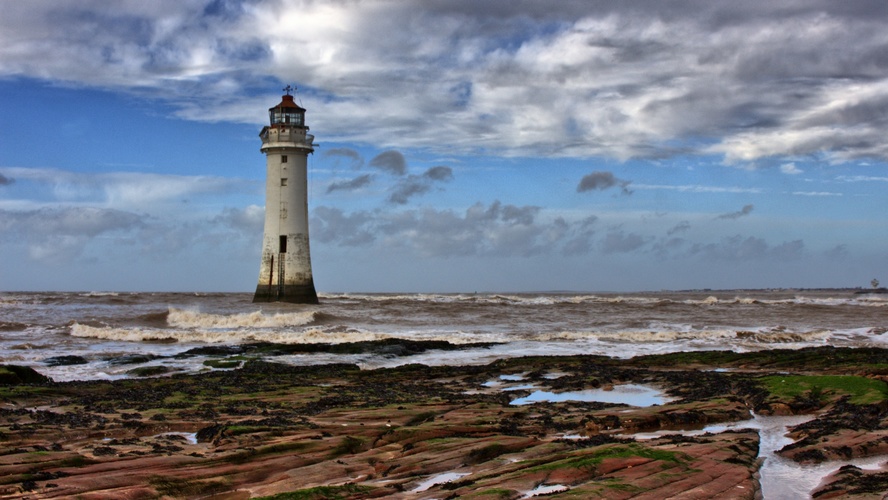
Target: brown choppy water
(102, 328)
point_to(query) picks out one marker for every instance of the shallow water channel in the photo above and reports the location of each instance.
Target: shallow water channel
(781, 478)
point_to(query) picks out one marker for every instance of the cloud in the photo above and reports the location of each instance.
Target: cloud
(698, 188)
(350, 185)
(621, 242)
(414, 185)
(790, 169)
(861, 178)
(816, 193)
(680, 227)
(746, 210)
(353, 157)
(60, 235)
(497, 229)
(390, 161)
(600, 181)
(331, 225)
(124, 190)
(249, 220)
(505, 230)
(439, 173)
(5, 181)
(737, 248)
(838, 252)
(579, 242)
(617, 79)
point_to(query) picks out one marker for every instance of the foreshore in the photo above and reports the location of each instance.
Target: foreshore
(268, 430)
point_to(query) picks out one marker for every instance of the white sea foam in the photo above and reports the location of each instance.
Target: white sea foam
(215, 336)
(580, 298)
(186, 318)
(289, 328)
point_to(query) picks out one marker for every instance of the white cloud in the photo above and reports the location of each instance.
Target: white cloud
(745, 81)
(815, 193)
(790, 169)
(861, 178)
(123, 190)
(692, 188)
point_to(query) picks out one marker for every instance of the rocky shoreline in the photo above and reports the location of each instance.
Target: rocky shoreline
(267, 430)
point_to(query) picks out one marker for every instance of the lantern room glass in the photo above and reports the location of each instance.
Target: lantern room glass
(286, 116)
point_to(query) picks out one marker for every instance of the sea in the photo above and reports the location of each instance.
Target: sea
(101, 335)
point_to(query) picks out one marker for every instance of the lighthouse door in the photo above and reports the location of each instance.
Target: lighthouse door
(282, 249)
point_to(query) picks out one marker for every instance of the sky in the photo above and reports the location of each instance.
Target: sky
(496, 146)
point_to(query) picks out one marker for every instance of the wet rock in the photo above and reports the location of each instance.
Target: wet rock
(149, 371)
(132, 359)
(211, 433)
(15, 375)
(851, 482)
(845, 431)
(213, 350)
(270, 428)
(65, 361)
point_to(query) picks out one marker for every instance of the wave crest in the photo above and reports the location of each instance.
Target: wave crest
(215, 336)
(185, 318)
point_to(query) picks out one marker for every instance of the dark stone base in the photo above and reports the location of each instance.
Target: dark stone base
(294, 294)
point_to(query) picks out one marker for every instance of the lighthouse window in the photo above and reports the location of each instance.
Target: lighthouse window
(283, 158)
(283, 244)
(284, 181)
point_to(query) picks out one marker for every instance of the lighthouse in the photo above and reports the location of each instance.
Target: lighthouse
(285, 271)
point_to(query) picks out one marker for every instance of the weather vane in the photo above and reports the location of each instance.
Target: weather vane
(288, 88)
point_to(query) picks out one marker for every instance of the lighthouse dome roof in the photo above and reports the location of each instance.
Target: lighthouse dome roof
(288, 103)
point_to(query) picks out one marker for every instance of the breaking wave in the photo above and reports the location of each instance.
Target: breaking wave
(184, 318)
(724, 336)
(215, 336)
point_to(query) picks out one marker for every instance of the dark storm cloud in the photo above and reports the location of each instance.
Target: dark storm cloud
(746, 210)
(390, 161)
(414, 185)
(439, 173)
(354, 158)
(351, 185)
(599, 181)
(5, 181)
(405, 189)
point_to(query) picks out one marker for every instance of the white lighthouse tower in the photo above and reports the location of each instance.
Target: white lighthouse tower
(285, 272)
